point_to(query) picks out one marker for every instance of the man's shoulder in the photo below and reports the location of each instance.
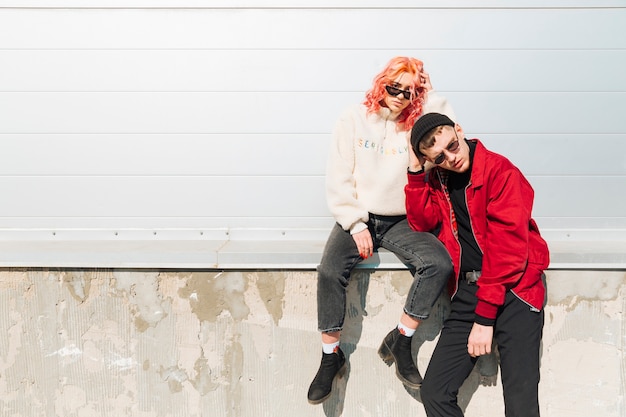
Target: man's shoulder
(493, 163)
(493, 157)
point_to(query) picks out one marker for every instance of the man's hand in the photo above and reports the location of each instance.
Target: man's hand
(479, 340)
(416, 162)
(364, 243)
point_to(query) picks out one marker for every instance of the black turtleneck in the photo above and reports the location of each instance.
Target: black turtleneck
(471, 257)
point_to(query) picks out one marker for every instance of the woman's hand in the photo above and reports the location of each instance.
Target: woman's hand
(364, 243)
(425, 81)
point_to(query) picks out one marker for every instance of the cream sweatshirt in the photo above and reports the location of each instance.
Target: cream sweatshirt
(367, 164)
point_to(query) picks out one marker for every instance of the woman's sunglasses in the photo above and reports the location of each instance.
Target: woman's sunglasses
(393, 91)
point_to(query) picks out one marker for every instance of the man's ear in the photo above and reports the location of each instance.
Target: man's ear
(459, 131)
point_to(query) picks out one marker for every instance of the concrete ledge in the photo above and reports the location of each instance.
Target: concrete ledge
(587, 254)
(249, 254)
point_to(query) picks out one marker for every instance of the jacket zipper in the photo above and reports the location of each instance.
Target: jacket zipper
(444, 188)
(532, 308)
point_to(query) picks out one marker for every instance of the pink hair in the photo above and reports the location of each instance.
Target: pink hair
(374, 98)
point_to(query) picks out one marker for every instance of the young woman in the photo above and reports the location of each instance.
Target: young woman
(365, 179)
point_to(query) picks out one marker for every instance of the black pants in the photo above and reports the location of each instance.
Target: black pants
(518, 331)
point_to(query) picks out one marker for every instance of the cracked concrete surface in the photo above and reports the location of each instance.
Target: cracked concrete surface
(244, 343)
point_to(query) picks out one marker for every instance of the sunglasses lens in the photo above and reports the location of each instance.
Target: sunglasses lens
(393, 91)
(452, 147)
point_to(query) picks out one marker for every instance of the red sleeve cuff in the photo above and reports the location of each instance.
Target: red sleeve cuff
(417, 179)
(486, 310)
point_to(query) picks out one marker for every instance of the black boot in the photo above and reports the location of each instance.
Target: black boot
(397, 348)
(333, 364)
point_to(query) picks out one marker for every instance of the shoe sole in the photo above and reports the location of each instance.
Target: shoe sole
(385, 354)
(339, 375)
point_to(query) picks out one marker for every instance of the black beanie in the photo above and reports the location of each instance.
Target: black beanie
(425, 124)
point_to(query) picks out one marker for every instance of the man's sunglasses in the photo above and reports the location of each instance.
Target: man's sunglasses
(452, 147)
(393, 91)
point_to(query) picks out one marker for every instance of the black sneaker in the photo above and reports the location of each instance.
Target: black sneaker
(332, 364)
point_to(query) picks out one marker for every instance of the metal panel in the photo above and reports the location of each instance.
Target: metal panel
(184, 113)
(268, 154)
(108, 254)
(162, 197)
(599, 197)
(183, 228)
(179, 122)
(157, 154)
(255, 196)
(463, 28)
(561, 154)
(296, 70)
(306, 4)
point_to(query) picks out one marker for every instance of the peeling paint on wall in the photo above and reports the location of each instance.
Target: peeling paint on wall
(197, 343)
(78, 284)
(588, 285)
(211, 294)
(271, 287)
(142, 289)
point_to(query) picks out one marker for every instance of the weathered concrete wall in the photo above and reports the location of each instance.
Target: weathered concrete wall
(155, 344)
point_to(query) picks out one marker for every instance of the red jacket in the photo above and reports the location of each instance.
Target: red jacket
(499, 201)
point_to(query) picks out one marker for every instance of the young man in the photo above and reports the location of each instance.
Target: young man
(481, 205)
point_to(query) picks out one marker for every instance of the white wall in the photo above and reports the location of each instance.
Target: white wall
(190, 116)
(188, 133)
